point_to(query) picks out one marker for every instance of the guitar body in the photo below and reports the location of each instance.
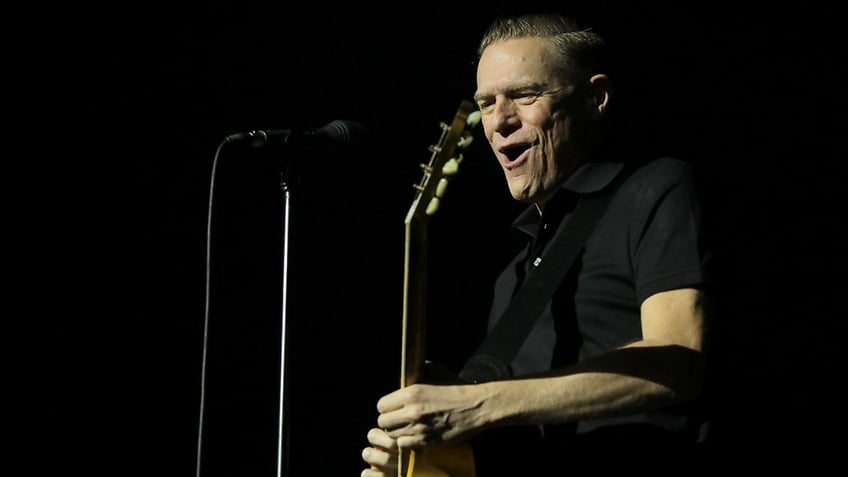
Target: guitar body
(454, 460)
(440, 460)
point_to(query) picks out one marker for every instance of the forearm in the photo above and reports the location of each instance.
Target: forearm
(626, 381)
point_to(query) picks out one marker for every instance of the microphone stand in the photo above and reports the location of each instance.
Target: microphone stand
(282, 440)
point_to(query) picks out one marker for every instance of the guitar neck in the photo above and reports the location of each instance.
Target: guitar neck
(413, 351)
(443, 164)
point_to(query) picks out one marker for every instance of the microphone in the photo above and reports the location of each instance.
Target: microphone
(341, 134)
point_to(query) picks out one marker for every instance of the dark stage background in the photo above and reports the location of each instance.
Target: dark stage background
(752, 96)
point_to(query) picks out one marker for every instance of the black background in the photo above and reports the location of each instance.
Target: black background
(751, 95)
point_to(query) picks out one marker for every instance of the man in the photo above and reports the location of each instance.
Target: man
(615, 363)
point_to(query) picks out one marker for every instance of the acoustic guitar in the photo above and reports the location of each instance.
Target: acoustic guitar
(439, 460)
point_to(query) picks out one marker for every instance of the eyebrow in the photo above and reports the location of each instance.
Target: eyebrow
(535, 87)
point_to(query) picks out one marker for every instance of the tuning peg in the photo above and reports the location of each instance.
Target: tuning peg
(433, 206)
(465, 140)
(451, 167)
(474, 118)
(441, 187)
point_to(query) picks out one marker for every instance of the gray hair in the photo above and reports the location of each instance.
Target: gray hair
(581, 51)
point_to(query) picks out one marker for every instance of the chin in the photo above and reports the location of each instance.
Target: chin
(521, 196)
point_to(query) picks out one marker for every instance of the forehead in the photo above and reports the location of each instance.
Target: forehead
(515, 61)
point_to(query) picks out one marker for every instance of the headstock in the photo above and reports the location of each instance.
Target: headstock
(446, 156)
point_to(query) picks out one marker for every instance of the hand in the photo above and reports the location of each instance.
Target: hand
(423, 414)
(382, 456)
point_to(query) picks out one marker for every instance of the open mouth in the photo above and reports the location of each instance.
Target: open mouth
(512, 153)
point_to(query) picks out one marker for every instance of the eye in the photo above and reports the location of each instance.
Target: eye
(485, 104)
(527, 97)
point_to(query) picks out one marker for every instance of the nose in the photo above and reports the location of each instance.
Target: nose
(504, 117)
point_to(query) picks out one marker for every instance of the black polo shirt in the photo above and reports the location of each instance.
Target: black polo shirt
(648, 241)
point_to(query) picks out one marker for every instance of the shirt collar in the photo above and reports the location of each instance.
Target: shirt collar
(592, 177)
(588, 178)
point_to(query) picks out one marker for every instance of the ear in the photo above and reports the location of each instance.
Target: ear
(600, 90)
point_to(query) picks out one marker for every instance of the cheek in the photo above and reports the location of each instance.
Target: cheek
(548, 139)
(488, 130)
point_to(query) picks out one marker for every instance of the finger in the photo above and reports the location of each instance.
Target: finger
(392, 401)
(380, 438)
(379, 458)
(378, 473)
(383, 462)
(411, 442)
(402, 422)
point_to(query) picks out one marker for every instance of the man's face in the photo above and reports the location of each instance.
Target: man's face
(533, 120)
